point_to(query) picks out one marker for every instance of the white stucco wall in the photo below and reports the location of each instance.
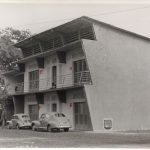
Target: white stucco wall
(63, 70)
(119, 64)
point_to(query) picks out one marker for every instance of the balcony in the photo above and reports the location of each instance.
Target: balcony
(63, 81)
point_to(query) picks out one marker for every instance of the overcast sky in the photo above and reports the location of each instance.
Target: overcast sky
(40, 17)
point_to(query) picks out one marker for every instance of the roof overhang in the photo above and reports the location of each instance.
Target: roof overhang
(12, 72)
(70, 26)
(49, 34)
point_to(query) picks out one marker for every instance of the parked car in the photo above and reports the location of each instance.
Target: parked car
(19, 121)
(52, 121)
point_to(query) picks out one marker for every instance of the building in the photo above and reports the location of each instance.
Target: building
(95, 73)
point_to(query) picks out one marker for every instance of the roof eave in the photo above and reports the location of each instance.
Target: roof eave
(23, 42)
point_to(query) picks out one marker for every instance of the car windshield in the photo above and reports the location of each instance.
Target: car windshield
(25, 116)
(47, 115)
(59, 115)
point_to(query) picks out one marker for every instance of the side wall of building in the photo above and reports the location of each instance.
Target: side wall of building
(120, 69)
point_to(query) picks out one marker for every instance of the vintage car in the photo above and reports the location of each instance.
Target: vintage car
(52, 121)
(19, 121)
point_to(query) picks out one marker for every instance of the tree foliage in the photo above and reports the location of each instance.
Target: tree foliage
(8, 53)
(15, 35)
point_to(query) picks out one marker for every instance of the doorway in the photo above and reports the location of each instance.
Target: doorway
(54, 76)
(34, 112)
(82, 116)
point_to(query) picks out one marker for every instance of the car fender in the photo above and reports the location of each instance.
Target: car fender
(53, 124)
(9, 122)
(20, 123)
(36, 123)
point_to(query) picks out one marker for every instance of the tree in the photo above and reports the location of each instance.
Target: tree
(14, 34)
(8, 53)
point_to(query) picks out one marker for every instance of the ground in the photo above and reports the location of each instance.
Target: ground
(28, 138)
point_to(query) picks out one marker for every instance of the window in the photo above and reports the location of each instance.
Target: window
(34, 80)
(25, 116)
(54, 107)
(79, 67)
(16, 117)
(59, 115)
(40, 98)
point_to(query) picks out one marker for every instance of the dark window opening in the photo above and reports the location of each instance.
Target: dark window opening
(54, 107)
(34, 80)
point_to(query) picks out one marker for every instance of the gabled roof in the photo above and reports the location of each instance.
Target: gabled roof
(117, 28)
(79, 21)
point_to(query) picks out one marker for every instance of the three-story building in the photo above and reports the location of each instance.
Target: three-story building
(52, 74)
(96, 74)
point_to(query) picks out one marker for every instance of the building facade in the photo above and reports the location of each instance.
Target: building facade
(96, 74)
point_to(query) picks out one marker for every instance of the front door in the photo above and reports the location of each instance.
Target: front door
(82, 117)
(54, 76)
(34, 112)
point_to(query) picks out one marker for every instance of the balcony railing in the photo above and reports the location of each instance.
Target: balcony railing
(34, 85)
(63, 81)
(19, 87)
(82, 77)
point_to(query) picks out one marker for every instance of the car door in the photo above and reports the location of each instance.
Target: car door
(42, 120)
(46, 120)
(15, 120)
(12, 120)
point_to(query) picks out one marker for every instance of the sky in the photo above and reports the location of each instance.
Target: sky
(38, 17)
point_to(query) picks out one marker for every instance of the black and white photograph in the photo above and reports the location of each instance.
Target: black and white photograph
(74, 74)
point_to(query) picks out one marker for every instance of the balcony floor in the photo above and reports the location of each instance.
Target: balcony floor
(49, 90)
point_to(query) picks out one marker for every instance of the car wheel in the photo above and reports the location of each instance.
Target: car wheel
(66, 129)
(8, 126)
(49, 128)
(18, 127)
(33, 127)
